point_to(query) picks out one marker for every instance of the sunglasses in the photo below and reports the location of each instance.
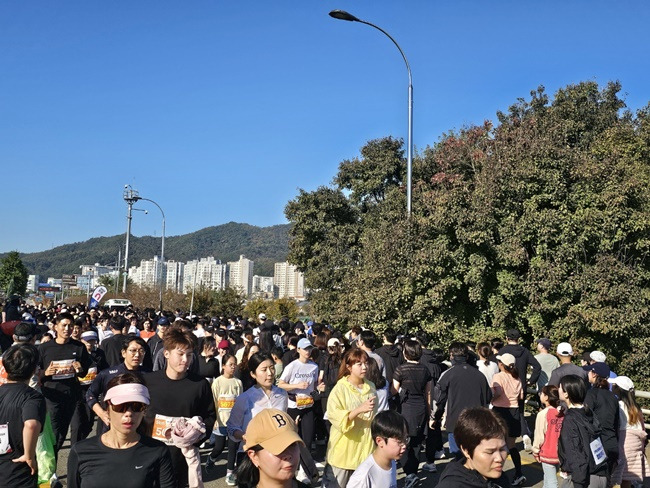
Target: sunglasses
(135, 407)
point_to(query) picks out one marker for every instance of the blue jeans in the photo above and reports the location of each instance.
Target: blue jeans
(550, 475)
(453, 447)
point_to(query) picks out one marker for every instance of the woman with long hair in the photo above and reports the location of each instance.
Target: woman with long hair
(633, 465)
(106, 460)
(243, 371)
(577, 462)
(506, 393)
(485, 365)
(350, 408)
(262, 395)
(412, 381)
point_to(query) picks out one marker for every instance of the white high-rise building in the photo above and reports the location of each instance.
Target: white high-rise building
(207, 272)
(148, 273)
(240, 274)
(32, 283)
(289, 281)
(262, 284)
(174, 275)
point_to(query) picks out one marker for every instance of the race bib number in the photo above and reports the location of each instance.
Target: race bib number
(304, 401)
(88, 379)
(4, 439)
(598, 451)
(161, 429)
(63, 369)
(226, 402)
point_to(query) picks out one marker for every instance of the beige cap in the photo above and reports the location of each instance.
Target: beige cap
(272, 429)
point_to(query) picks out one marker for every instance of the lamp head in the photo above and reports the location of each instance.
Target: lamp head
(343, 15)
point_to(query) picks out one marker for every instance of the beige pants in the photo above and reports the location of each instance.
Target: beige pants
(334, 477)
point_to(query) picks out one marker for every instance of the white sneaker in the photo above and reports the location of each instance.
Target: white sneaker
(528, 444)
(231, 479)
(430, 467)
(440, 454)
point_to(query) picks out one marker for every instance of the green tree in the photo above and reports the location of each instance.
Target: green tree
(226, 302)
(13, 274)
(257, 306)
(283, 307)
(539, 222)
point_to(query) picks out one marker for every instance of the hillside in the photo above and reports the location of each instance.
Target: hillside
(264, 245)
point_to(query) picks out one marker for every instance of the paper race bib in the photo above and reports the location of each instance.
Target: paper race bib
(225, 403)
(3, 373)
(4, 439)
(598, 451)
(160, 424)
(88, 379)
(304, 401)
(63, 369)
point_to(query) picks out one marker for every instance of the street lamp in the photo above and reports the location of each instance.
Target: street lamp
(131, 196)
(343, 15)
(162, 252)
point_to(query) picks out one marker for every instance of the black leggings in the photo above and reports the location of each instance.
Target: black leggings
(410, 460)
(220, 444)
(306, 424)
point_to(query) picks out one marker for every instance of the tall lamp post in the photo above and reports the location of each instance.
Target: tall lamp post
(131, 196)
(343, 15)
(162, 252)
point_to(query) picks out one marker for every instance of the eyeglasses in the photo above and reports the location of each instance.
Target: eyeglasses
(133, 352)
(401, 442)
(135, 407)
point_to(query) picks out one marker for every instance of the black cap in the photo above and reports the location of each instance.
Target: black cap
(513, 334)
(24, 331)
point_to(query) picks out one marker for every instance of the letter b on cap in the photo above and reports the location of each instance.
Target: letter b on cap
(280, 420)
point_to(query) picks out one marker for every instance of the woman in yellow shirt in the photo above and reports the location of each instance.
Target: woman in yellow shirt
(351, 406)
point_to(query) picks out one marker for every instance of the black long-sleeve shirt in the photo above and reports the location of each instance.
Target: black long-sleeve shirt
(56, 385)
(148, 464)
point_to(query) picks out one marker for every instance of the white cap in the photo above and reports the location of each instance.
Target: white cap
(507, 359)
(262, 316)
(564, 349)
(598, 356)
(333, 342)
(623, 382)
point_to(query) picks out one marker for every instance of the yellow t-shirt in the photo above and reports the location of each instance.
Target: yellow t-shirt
(225, 391)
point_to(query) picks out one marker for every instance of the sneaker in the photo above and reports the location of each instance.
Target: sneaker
(528, 444)
(231, 479)
(439, 454)
(209, 464)
(430, 467)
(207, 445)
(55, 483)
(519, 480)
(411, 480)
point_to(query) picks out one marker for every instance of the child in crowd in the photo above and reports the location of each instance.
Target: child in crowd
(548, 425)
(225, 390)
(276, 354)
(390, 433)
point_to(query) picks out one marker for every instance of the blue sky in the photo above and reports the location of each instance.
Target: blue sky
(221, 110)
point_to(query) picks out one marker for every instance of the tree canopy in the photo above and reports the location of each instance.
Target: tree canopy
(13, 274)
(540, 222)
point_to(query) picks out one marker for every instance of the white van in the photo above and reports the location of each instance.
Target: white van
(117, 303)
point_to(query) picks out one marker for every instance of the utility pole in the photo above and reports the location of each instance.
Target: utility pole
(130, 197)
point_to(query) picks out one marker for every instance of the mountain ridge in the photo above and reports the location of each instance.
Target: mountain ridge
(264, 245)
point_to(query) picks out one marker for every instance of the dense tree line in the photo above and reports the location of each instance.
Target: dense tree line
(540, 222)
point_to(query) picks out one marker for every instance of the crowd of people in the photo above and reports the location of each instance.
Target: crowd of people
(153, 399)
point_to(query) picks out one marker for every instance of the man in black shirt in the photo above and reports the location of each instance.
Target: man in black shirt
(177, 392)
(112, 346)
(22, 413)
(156, 342)
(62, 361)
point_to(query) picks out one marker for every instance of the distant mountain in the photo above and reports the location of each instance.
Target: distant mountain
(264, 245)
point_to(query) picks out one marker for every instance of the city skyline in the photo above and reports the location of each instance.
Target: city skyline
(220, 112)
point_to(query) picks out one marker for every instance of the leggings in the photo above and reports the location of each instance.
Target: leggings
(306, 424)
(61, 412)
(410, 458)
(220, 444)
